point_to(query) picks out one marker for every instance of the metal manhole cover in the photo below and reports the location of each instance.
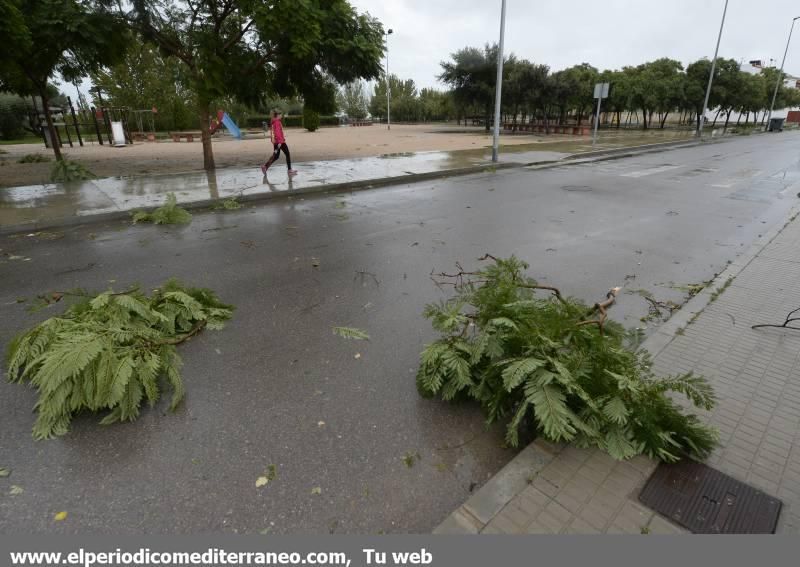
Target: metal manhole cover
(706, 501)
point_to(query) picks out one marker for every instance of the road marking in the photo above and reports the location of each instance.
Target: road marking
(651, 171)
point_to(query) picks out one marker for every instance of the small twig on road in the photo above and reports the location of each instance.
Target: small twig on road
(785, 325)
(364, 273)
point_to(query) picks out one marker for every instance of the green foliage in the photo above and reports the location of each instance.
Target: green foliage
(351, 333)
(352, 100)
(310, 119)
(248, 50)
(169, 213)
(65, 170)
(109, 351)
(33, 158)
(230, 204)
(13, 119)
(529, 363)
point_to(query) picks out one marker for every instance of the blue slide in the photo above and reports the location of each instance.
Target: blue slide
(231, 126)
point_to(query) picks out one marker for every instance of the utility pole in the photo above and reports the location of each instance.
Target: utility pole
(711, 75)
(388, 88)
(780, 73)
(499, 86)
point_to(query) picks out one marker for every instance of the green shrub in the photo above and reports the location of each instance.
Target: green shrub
(66, 170)
(169, 213)
(33, 158)
(229, 204)
(310, 119)
(107, 352)
(555, 366)
(13, 116)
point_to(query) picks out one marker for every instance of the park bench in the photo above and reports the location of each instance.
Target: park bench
(361, 123)
(178, 136)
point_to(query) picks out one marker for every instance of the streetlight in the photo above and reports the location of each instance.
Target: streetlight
(499, 86)
(388, 93)
(780, 73)
(711, 75)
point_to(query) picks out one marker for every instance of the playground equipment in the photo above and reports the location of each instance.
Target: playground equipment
(224, 120)
(141, 117)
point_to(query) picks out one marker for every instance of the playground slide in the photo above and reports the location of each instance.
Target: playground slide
(231, 126)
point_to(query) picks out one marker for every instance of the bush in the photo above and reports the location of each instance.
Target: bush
(310, 119)
(33, 158)
(541, 366)
(329, 121)
(107, 352)
(65, 170)
(169, 213)
(257, 121)
(13, 116)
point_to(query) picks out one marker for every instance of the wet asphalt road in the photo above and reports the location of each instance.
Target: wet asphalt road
(277, 387)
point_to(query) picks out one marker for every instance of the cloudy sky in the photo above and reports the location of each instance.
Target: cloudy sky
(608, 34)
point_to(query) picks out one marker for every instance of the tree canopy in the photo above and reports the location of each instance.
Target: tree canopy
(49, 38)
(249, 49)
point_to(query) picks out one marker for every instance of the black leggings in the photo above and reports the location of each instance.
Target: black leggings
(276, 153)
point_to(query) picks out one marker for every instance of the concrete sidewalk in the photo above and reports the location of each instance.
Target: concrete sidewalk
(756, 376)
(36, 207)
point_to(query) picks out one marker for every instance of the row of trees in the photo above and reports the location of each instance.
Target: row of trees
(219, 49)
(408, 104)
(650, 91)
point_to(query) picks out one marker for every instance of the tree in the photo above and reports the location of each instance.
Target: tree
(697, 74)
(70, 38)
(472, 76)
(579, 81)
(664, 84)
(249, 49)
(352, 100)
(147, 79)
(403, 94)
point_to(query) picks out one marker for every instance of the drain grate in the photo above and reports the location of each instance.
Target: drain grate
(706, 501)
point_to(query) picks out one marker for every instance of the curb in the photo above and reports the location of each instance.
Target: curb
(510, 480)
(352, 186)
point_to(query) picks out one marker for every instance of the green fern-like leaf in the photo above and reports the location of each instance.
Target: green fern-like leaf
(518, 370)
(108, 351)
(351, 333)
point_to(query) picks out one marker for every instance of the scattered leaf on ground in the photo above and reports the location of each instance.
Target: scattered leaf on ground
(60, 517)
(15, 490)
(341, 204)
(357, 355)
(4, 472)
(441, 467)
(261, 481)
(320, 424)
(316, 490)
(351, 333)
(410, 458)
(315, 262)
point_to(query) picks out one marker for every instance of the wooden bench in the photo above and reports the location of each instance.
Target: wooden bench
(361, 123)
(178, 136)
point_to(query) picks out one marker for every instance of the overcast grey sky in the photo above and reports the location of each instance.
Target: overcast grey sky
(608, 34)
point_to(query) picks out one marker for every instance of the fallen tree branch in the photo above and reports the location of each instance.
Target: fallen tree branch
(600, 308)
(785, 325)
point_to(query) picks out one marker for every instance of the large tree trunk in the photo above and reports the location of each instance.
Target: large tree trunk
(727, 119)
(208, 152)
(644, 119)
(50, 127)
(664, 120)
(713, 124)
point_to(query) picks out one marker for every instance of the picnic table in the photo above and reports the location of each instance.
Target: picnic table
(178, 136)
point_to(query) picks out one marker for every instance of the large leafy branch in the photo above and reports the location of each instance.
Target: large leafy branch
(556, 367)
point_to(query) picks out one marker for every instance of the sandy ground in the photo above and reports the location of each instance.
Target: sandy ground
(326, 143)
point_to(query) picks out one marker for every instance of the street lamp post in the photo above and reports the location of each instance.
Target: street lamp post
(388, 92)
(780, 73)
(499, 86)
(702, 120)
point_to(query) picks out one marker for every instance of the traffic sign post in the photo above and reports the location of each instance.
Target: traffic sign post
(600, 92)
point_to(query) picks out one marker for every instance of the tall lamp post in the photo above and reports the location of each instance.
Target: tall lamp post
(388, 92)
(499, 86)
(780, 73)
(711, 75)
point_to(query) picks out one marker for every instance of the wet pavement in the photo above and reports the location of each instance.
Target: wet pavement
(41, 203)
(277, 387)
